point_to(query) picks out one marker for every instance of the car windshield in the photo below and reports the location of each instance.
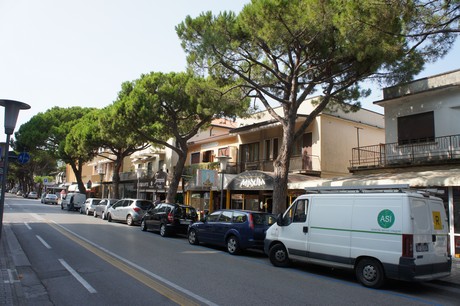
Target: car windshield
(144, 205)
(263, 219)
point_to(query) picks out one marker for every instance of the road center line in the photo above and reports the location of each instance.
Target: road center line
(43, 241)
(78, 276)
(133, 269)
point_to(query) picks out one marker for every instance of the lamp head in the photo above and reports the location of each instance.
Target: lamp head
(12, 109)
(223, 160)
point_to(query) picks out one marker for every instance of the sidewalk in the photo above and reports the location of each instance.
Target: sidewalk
(20, 285)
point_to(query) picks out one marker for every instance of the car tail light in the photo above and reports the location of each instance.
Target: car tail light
(408, 246)
(137, 209)
(251, 222)
(170, 217)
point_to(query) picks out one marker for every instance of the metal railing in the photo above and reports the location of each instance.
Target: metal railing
(297, 163)
(441, 149)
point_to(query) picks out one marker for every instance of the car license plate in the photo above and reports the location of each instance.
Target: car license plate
(421, 247)
(185, 222)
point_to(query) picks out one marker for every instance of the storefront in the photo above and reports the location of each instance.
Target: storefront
(253, 190)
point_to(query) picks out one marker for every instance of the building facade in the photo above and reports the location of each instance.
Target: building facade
(422, 144)
(253, 144)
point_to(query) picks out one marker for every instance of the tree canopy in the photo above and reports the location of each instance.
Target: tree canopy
(48, 132)
(177, 105)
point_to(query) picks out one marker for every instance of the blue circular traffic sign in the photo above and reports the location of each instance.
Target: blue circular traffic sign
(23, 157)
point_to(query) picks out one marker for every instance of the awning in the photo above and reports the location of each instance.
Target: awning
(428, 178)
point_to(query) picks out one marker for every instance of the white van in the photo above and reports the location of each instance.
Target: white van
(387, 233)
(73, 201)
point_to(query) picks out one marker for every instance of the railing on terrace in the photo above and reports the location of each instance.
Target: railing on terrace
(394, 154)
(298, 163)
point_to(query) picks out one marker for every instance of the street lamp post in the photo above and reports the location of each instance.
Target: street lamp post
(223, 161)
(139, 173)
(101, 173)
(12, 109)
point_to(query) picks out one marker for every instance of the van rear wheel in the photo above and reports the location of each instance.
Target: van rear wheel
(369, 272)
(279, 256)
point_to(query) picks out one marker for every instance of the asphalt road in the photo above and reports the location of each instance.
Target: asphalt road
(84, 260)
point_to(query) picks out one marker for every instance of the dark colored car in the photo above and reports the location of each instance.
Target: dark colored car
(234, 229)
(169, 218)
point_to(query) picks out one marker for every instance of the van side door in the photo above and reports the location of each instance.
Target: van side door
(294, 232)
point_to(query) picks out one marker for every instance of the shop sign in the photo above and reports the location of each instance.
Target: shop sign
(252, 180)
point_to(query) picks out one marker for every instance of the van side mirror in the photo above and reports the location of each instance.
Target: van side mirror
(279, 220)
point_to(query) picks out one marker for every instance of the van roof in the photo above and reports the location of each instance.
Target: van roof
(396, 188)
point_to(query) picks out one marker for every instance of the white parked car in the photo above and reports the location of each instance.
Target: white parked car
(130, 211)
(50, 199)
(32, 195)
(102, 207)
(90, 205)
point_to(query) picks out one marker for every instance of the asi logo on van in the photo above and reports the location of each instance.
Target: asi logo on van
(386, 218)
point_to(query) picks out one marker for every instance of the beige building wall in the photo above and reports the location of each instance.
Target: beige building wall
(338, 138)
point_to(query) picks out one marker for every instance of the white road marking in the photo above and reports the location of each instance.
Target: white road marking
(43, 241)
(151, 274)
(78, 277)
(27, 225)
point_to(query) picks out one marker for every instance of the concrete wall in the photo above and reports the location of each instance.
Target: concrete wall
(444, 103)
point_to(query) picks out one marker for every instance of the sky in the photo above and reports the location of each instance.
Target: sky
(78, 53)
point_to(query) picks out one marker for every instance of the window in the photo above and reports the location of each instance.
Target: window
(267, 149)
(226, 216)
(213, 217)
(303, 144)
(275, 148)
(207, 156)
(239, 217)
(250, 152)
(195, 158)
(223, 152)
(297, 213)
(416, 128)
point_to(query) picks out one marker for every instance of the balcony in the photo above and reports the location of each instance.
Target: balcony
(309, 164)
(441, 150)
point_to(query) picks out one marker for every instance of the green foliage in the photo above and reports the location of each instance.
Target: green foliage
(47, 133)
(176, 105)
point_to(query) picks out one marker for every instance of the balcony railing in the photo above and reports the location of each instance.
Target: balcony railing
(298, 163)
(441, 149)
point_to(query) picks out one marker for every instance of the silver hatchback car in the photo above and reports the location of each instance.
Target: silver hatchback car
(102, 208)
(130, 211)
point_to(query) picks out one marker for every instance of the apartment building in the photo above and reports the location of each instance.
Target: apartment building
(253, 144)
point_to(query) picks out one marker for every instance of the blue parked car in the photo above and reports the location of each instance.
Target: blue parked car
(234, 229)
